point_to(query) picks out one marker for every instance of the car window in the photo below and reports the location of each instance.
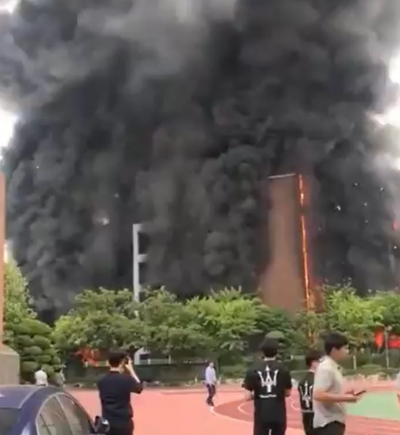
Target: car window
(52, 420)
(41, 426)
(8, 418)
(78, 419)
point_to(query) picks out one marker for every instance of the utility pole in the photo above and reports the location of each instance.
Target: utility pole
(138, 258)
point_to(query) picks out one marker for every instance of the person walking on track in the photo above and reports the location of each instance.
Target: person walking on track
(329, 397)
(268, 384)
(305, 389)
(211, 383)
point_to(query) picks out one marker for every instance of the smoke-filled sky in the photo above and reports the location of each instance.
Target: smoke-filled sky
(175, 113)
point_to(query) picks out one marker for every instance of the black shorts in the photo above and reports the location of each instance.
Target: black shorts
(308, 419)
(269, 428)
(334, 428)
(121, 428)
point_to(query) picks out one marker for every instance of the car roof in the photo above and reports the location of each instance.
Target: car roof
(14, 396)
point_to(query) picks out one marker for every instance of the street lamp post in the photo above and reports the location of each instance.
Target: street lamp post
(387, 331)
(138, 258)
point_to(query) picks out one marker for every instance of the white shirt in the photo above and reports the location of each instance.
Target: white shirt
(210, 376)
(398, 380)
(328, 377)
(41, 378)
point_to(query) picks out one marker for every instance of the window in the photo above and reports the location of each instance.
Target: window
(77, 417)
(52, 420)
(8, 417)
(144, 242)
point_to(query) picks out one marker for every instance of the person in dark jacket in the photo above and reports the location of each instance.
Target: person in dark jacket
(268, 384)
(115, 390)
(305, 389)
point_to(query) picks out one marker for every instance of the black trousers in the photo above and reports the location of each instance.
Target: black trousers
(334, 428)
(211, 393)
(308, 419)
(269, 428)
(121, 428)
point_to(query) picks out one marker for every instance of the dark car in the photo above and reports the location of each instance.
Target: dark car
(31, 410)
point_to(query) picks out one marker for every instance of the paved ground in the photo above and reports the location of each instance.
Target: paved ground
(183, 412)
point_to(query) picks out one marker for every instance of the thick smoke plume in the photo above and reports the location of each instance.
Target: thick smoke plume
(175, 113)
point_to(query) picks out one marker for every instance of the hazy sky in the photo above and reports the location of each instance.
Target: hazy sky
(7, 119)
(8, 5)
(7, 124)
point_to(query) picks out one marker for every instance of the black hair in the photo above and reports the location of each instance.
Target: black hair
(116, 358)
(312, 356)
(269, 347)
(334, 340)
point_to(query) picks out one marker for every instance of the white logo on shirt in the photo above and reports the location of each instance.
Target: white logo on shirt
(269, 380)
(306, 394)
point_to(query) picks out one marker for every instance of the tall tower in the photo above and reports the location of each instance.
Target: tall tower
(287, 280)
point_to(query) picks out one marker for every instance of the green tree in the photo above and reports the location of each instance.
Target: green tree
(171, 326)
(308, 325)
(102, 319)
(226, 322)
(273, 319)
(351, 314)
(388, 305)
(31, 338)
(17, 301)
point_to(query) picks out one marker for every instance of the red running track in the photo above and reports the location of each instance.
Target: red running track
(184, 412)
(355, 425)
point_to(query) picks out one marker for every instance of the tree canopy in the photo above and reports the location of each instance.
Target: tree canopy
(23, 332)
(225, 325)
(218, 325)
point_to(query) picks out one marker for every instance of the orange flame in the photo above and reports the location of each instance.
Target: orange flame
(306, 269)
(89, 356)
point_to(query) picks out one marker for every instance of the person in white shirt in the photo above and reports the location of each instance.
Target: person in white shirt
(41, 378)
(211, 383)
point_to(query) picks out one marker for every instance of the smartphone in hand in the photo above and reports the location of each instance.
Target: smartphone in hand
(360, 392)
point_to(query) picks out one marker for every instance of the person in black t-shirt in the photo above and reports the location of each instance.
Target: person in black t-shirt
(115, 390)
(268, 384)
(305, 389)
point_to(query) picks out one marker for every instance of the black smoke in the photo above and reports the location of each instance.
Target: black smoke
(175, 113)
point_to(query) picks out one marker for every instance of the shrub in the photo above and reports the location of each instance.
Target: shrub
(32, 351)
(44, 359)
(29, 367)
(24, 341)
(36, 327)
(42, 342)
(20, 329)
(234, 372)
(55, 361)
(35, 348)
(49, 369)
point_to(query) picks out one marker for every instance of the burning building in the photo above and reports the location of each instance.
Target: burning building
(178, 114)
(288, 281)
